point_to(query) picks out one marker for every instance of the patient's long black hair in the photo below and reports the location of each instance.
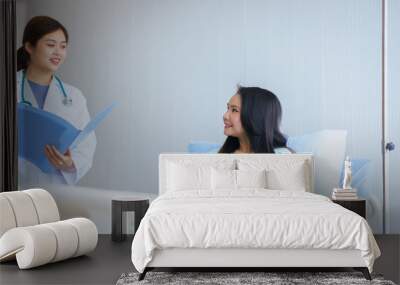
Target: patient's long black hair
(260, 116)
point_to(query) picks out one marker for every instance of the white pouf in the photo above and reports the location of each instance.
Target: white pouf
(31, 232)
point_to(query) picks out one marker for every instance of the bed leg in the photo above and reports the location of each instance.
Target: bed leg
(143, 274)
(364, 271)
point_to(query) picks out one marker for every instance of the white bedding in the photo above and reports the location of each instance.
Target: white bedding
(250, 218)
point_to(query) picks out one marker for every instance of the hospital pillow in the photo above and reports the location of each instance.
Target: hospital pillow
(203, 147)
(328, 148)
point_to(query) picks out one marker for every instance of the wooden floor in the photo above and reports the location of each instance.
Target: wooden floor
(111, 259)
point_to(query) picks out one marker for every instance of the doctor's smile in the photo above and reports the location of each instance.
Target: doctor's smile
(55, 61)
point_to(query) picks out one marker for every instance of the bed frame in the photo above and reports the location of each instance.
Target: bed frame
(248, 259)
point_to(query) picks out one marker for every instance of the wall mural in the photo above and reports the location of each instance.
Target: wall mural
(105, 87)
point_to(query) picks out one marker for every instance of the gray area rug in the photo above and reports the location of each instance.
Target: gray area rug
(225, 278)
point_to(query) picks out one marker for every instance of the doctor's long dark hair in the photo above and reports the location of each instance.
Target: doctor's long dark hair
(35, 29)
(260, 116)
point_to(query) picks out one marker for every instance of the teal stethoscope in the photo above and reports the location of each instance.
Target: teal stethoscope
(66, 100)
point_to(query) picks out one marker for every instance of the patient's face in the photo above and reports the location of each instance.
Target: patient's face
(232, 124)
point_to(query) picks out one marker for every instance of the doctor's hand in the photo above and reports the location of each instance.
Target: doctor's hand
(60, 161)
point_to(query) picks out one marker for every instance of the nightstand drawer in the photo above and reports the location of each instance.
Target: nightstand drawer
(357, 206)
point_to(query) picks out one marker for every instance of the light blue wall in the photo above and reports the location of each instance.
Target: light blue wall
(322, 58)
(173, 65)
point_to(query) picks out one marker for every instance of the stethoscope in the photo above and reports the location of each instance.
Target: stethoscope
(66, 100)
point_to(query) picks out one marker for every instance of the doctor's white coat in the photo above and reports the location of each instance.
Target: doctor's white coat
(77, 114)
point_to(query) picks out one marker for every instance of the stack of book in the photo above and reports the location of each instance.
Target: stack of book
(344, 194)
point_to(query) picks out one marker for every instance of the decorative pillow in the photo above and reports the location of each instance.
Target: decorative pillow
(236, 179)
(188, 177)
(282, 174)
(223, 179)
(293, 178)
(251, 178)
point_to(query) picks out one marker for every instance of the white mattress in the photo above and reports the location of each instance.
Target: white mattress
(251, 218)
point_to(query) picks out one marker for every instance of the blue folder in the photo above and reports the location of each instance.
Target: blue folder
(38, 128)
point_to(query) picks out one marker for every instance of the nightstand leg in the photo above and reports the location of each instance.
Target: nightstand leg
(116, 221)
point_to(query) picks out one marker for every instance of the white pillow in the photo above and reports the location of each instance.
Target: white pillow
(293, 178)
(237, 179)
(187, 177)
(282, 174)
(223, 179)
(251, 178)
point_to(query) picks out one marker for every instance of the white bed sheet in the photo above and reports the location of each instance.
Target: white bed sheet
(250, 218)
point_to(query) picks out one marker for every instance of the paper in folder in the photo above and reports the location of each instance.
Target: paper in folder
(38, 128)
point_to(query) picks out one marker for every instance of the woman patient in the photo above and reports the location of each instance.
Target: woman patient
(252, 123)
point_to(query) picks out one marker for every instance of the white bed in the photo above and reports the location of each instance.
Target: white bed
(237, 211)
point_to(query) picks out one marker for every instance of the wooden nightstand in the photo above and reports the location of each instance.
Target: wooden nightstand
(122, 204)
(357, 206)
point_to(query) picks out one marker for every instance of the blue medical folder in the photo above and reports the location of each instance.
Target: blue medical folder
(37, 128)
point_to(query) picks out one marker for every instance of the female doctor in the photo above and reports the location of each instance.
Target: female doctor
(44, 49)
